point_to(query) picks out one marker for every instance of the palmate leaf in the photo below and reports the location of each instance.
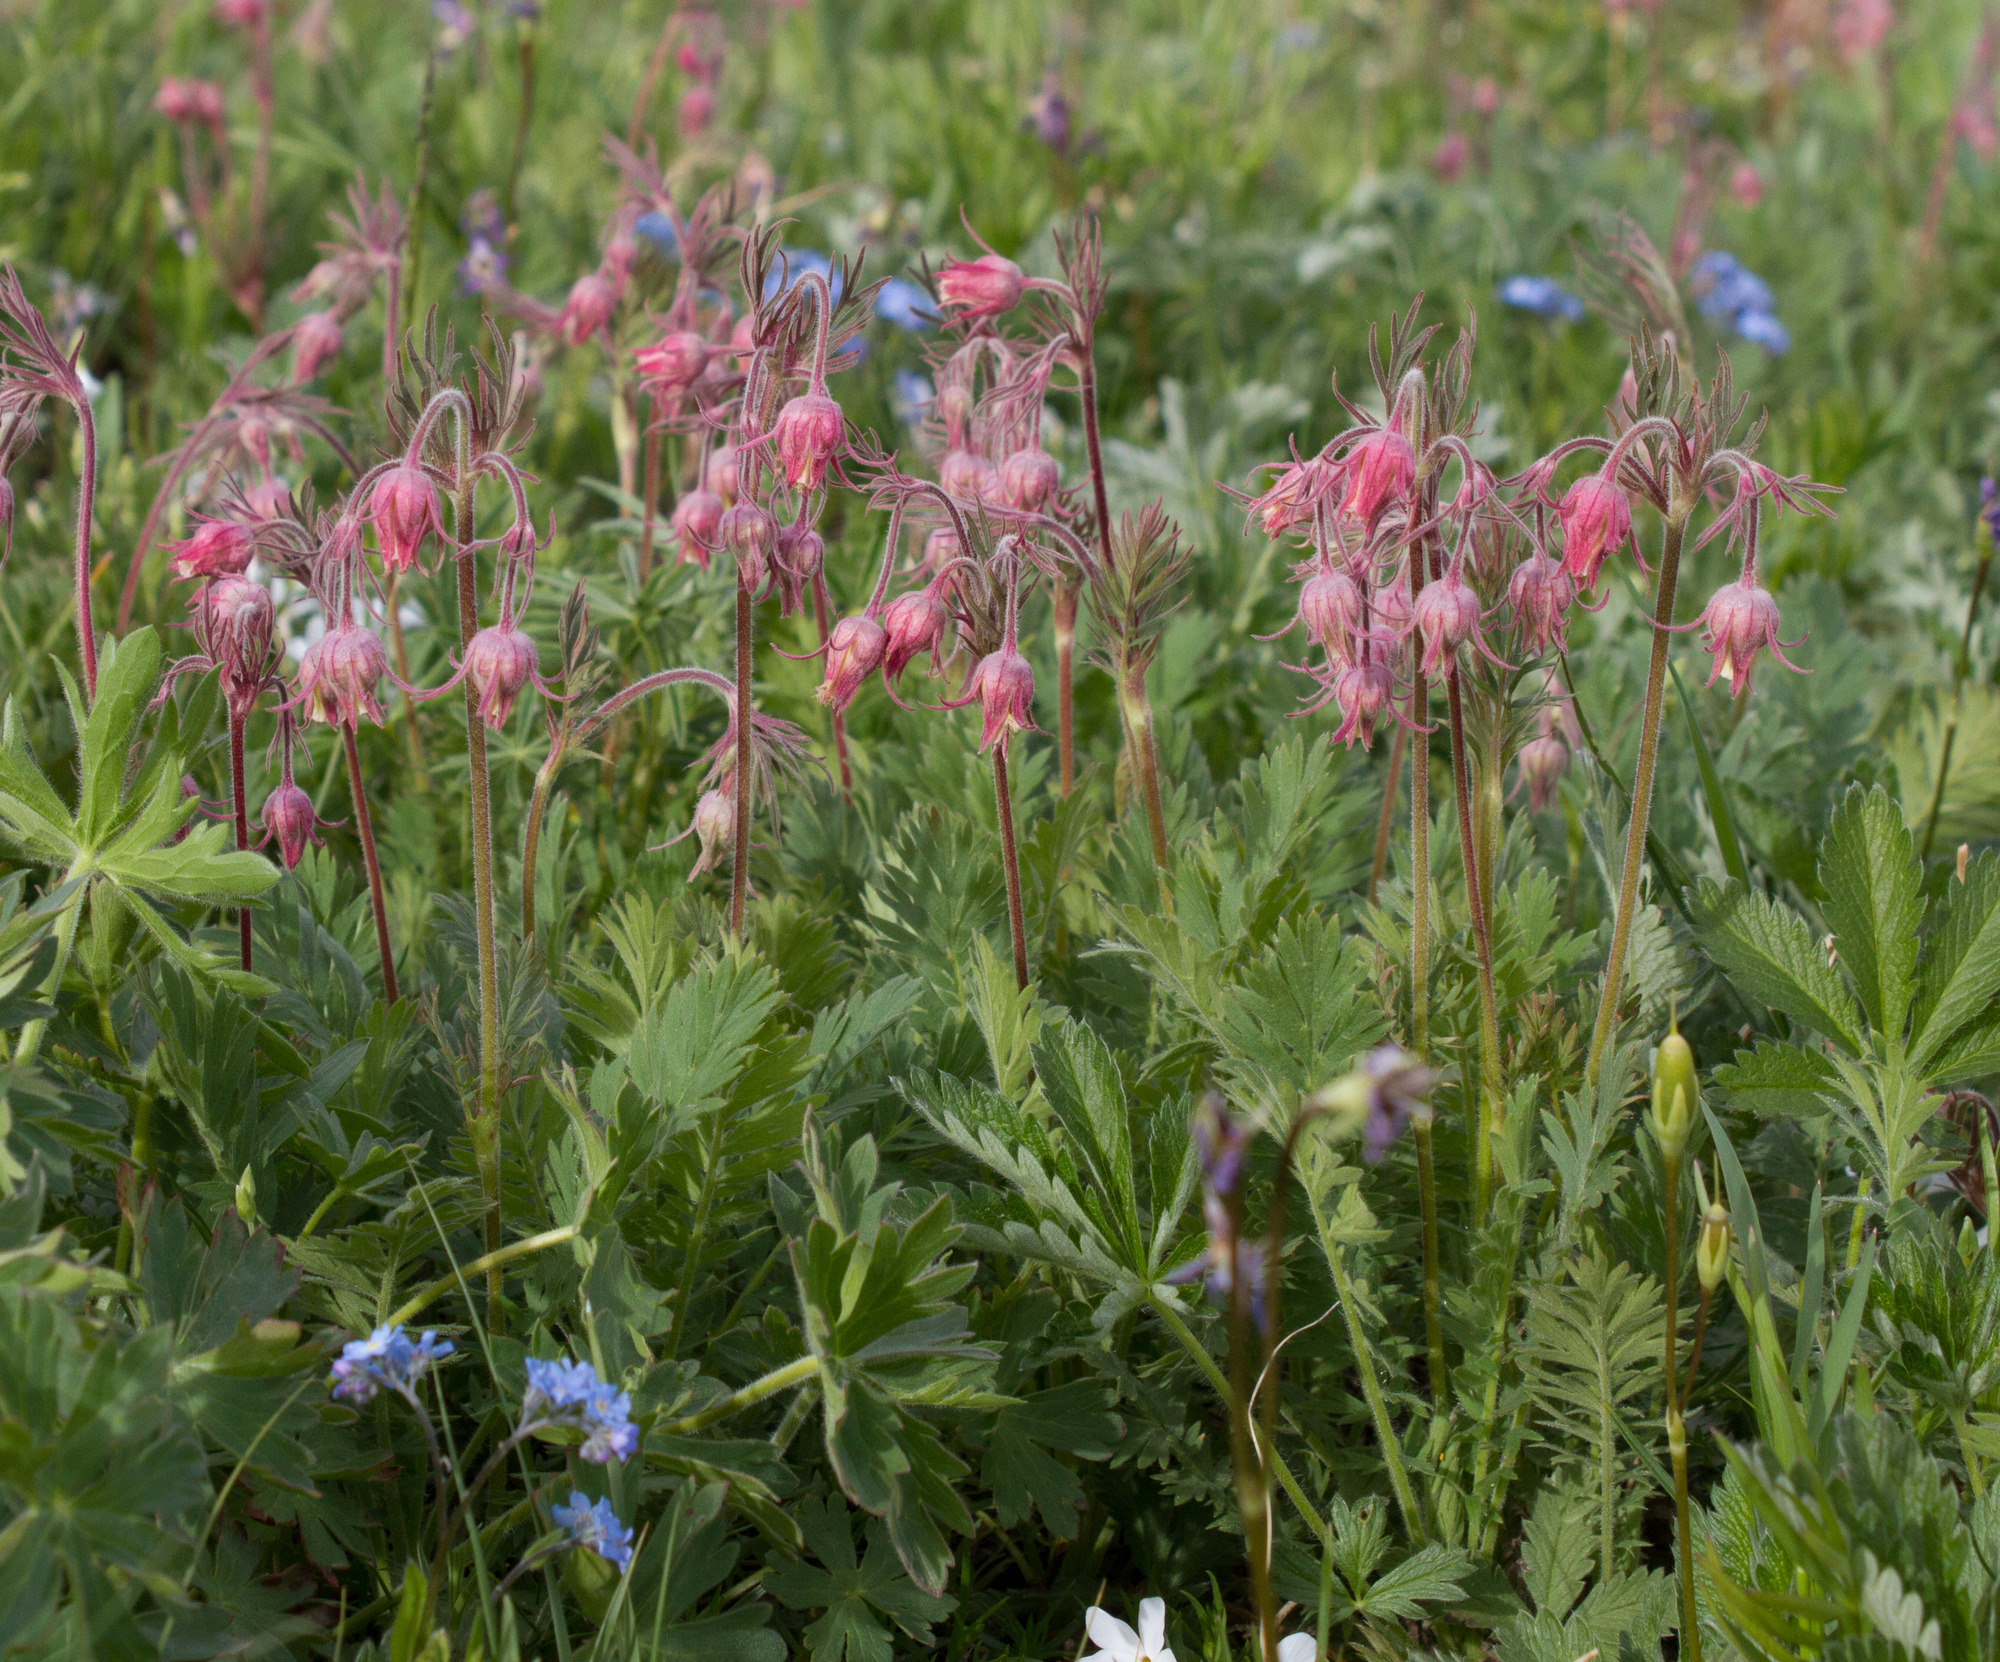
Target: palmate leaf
(686, 1557)
(1770, 955)
(1868, 868)
(938, 886)
(688, 1048)
(859, 1596)
(1302, 1011)
(1021, 1470)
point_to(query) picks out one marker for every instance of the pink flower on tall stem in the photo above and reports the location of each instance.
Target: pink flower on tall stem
(404, 508)
(1596, 522)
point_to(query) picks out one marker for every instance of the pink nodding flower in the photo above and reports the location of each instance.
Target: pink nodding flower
(1330, 608)
(288, 816)
(1028, 478)
(1294, 491)
(1543, 762)
(1004, 685)
(698, 525)
(1380, 470)
(404, 508)
(1596, 522)
(189, 101)
(1741, 620)
(218, 548)
(499, 661)
(1540, 591)
(316, 341)
(914, 623)
(750, 533)
(268, 498)
(809, 433)
(1746, 184)
(984, 287)
(853, 653)
(969, 476)
(1447, 616)
(242, 14)
(1449, 157)
(588, 309)
(673, 363)
(801, 551)
(720, 472)
(1363, 691)
(339, 675)
(714, 826)
(696, 111)
(239, 628)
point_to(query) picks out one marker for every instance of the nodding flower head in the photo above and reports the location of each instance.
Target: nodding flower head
(588, 309)
(387, 1358)
(984, 287)
(1028, 478)
(1294, 491)
(404, 508)
(914, 623)
(800, 555)
(189, 101)
(1385, 1090)
(750, 533)
(809, 433)
(1330, 608)
(218, 548)
(1363, 690)
(1596, 522)
(1380, 470)
(714, 827)
(673, 363)
(499, 661)
(239, 624)
(695, 111)
(720, 472)
(698, 525)
(853, 653)
(1446, 616)
(269, 498)
(339, 675)
(316, 342)
(1543, 761)
(288, 816)
(940, 549)
(1741, 620)
(969, 476)
(1540, 591)
(1004, 686)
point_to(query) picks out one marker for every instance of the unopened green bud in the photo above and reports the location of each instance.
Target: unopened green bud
(246, 1198)
(1711, 1253)
(1677, 1437)
(1676, 1095)
(1968, 1242)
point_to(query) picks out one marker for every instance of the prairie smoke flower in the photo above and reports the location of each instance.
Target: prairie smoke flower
(1379, 471)
(1116, 1642)
(809, 432)
(1446, 617)
(1362, 690)
(499, 661)
(239, 629)
(969, 476)
(242, 14)
(914, 623)
(1449, 157)
(940, 549)
(269, 498)
(404, 508)
(1540, 592)
(1596, 521)
(288, 816)
(563, 1393)
(720, 472)
(854, 652)
(750, 532)
(1004, 686)
(1330, 607)
(673, 363)
(316, 342)
(1028, 478)
(1543, 297)
(339, 675)
(697, 523)
(588, 309)
(189, 101)
(801, 551)
(695, 111)
(1543, 762)
(1741, 620)
(218, 548)
(1746, 185)
(1296, 487)
(714, 826)
(596, 1528)
(984, 287)
(387, 1359)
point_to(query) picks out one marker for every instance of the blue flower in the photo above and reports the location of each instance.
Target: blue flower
(1543, 296)
(793, 264)
(903, 303)
(596, 1527)
(386, 1358)
(484, 267)
(566, 1393)
(1762, 329)
(1738, 299)
(658, 229)
(913, 395)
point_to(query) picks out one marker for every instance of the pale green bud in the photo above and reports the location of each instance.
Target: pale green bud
(246, 1198)
(1711, 1253)
(1676, 1095)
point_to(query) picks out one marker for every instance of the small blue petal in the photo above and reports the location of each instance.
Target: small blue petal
(658, 229)
(1762, 329)
(903, 303)
(1543, 297)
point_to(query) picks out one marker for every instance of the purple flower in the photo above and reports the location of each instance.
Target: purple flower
(1728, 294)
(484, 267)
(566, 1393)
(386, 1359)
(455, 24)
(1989, 507)
(658, 229)
(1762, 329)
(1399, 1087)
(597, 1528)
(1211, 1265)
(1543, 296)
(1048, 114)
(1223, 1142)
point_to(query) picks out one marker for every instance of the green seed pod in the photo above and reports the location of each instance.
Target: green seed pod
(1711, 1253)
(1676, 1095)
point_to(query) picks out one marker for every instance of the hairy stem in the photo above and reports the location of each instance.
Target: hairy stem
(31, 1034)
(364, 827)
(739, 865)
(240, 811)
(1386, 823)
(1492, 1096)
(1010, 861)
(538, 802)
(1958, 675)
(86, 511)
(1420, 993)
(1677, 1448)
(652, 494)
(1065, 615)
(1642, 794)
(1145, 755)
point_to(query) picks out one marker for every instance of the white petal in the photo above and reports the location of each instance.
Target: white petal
(1298, 1647)
(1153, 1628)
(1117, 1641)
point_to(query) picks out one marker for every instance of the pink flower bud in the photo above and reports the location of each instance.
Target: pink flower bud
(218, 548)
(853, 653)
(1540, 592)
(1004, 685)
(241, 14)
(189, 101)
(619, 254)
(316, 342)
(696, 111)
(698, 526)
(720, 472)
(268, 498)
(239, 628)
(809, 434)
(969, 476)
(914, 623)
(1447, 616)
(288, 816)
(499, 662)
(1380, 470)
(1028, 478)
(6, 518)
(1596, 521)
(983, 287)
(801, 551)
(954, 408)
(1543, 762)
(751, 534)
(1747, 186)
(1294, 490)
(1741, 620)
(1448, 159)
(1860, 27)
(588, 310)
(673, 363)
(940, 549)
(714, 828)
(1363, 690)
(404, 508)
(339, 675)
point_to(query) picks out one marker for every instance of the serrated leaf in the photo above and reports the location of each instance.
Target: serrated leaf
(688, 1048)
(1961, 971)
(1868, 867)
(1770, 955)
(1024, 1476)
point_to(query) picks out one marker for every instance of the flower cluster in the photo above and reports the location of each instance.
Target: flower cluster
(387, 1360)
(1739, 300)
(596, 1528)
(564, 1393)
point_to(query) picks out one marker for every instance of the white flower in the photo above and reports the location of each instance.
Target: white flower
(1298, 1647)
(1118, 1643)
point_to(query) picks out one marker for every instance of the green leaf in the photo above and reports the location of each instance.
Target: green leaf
(1087, 1095)
(1779, 1080)
(1302, 1011)
(1074, 1419)
(1961, 973)
(860, 1596)
(127, 674)
(1770, 955)
(1869, 870)
(688, 1049)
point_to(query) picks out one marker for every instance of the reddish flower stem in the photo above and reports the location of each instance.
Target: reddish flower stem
(241, 804)
(739, 865)
(86, 511)
(839, 721)
(365, 828)
(1010, 861)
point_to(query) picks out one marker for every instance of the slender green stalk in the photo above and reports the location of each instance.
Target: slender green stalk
(739, 867)
(1010, 860)
(1492, 1087)
(1067, 596)
(1371, 1390)
(778, 1379)
(538, 803)
(240, 812)
(31, 1034)
(1386, 823)
(521, 124)
(1676, 1406)
(1642, 791)
(86, 511)
(1144, 752)
(489, 1264)
(1677, 1447)
(1420, 993)
(1960, 669)
(365, 828)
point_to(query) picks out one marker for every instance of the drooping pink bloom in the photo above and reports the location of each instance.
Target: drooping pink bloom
(1860, 27)
(696, 111)
(1543, 762)
(404, 508)
(914, 623)
(339, 675)
(499, 661)
(853, 653)
(242, 14)
(1746, 184)
(1596, 521)
(809, 433)
(1295, 489)
(714, 826)
(288, 816)
(940, 549)
(1363, 690)
(187, 102)
(697, 526)
(1741, 620)
(1380, 470)
(238, 625)
(588, 309)
(1004, 686)
(316, 341)
(750, 533)
(218, 548)
(969, 476)
(720, 472)
(801, 550)
(1446, 616)
(268, 498)
(1330, 608)
(1449, 157)
(673, 363)
(1540, 592)
(1028, 478)
(984, 287)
